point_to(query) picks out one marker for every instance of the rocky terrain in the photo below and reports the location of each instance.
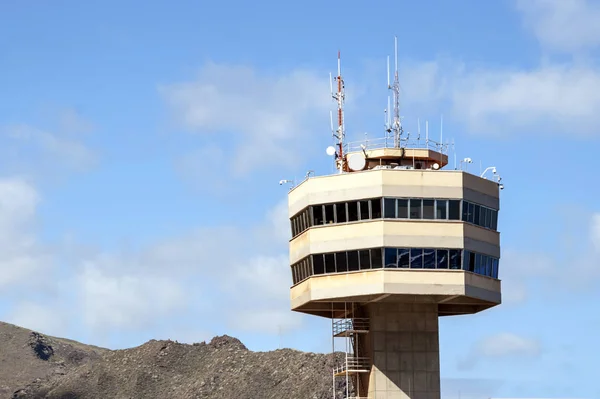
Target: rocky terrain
(37, 366)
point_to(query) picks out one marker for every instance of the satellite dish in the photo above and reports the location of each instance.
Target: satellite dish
(330, 151)
(356, 162)
(436, 166)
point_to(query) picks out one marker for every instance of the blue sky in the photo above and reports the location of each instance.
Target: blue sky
(134, 203)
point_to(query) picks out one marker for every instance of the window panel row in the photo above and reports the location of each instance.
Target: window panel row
(394, 208)
(481, 264)
(479, 215)
(377, 258)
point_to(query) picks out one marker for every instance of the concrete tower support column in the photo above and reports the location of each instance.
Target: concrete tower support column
(404, 347)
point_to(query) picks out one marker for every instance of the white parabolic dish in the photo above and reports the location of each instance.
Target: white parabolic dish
(330, 151)
(356, 162)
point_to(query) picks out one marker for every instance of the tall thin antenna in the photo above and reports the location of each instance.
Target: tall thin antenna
(395, 87)
(340, 133)
(454, 151)
(442, 130)
(389, 120)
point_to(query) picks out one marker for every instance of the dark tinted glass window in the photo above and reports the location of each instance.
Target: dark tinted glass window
(415, 208)
(364, 210)
(441, 209)
(486, 262)
(486, 217)
(416, 258)
(309, 217)
(471, 215)
(353, 260)
(478, 262)
(389, 208)
(309, 269)
(467, 260)
(352, 211)
(402, 209)
(429, 258)
(495, 268)
(376, 208)
(391, 255)
(488, 269)
(465, 211)
(454, 209)
(442, 258)
(329, 214)
(472, 261)
(340, 262)
(329, 263)
(403, 257)
(477, 212)
(317, 211)
(494, 220)
(455, 262)
(428, 209)
(318, 264)
(340, 212)
(376, 258)
(365, 259)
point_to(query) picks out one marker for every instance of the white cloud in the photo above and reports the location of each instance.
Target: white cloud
(216, 276)
(73, 122)
(125, 301)
(563, 25)
(18, 202)
(501, 345)
(520, 268)
(264, 118)
(58, 149)
(21, 257)
(39, 317)
(260, 292)
(245, 271)
(552, 98)
(507, 344)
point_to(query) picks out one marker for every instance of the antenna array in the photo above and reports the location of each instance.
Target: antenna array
(394, 127)
(340, 132)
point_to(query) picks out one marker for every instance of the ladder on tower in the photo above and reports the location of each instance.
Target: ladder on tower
(352, 365)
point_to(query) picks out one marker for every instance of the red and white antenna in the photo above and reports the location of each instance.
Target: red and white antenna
(340, 132)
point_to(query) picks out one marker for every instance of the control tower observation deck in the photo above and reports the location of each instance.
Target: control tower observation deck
(385, 247)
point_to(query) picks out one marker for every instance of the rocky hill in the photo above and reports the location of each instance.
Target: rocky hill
(37, 366)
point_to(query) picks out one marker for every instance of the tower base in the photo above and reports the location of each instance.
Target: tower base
(403, 345)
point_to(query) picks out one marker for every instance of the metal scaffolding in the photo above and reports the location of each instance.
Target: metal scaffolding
(348, 329)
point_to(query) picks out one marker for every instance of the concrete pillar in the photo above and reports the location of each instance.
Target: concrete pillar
(404, 347)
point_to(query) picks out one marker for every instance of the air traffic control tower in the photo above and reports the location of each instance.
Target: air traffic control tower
(388, 244)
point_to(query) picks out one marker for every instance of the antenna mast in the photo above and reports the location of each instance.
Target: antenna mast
(395, 87)
(339, 133)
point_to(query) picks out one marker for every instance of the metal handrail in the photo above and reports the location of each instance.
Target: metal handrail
(388, 142)
(359, 324)
(353, 363)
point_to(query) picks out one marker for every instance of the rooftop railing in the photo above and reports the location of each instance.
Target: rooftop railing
(390, 142)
